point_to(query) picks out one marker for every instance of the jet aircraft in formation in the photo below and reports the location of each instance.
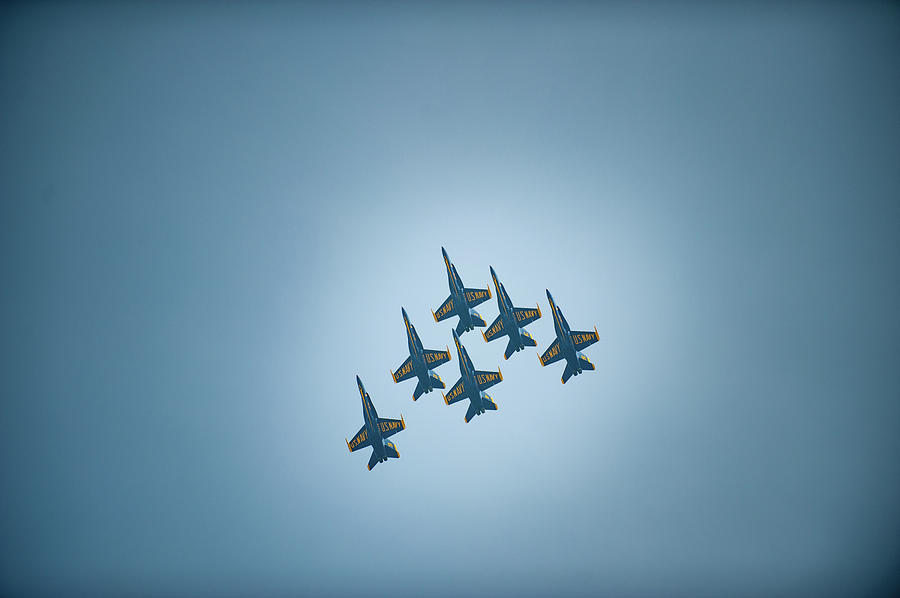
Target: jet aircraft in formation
(568, 345)
(461, 301)
(420, 362)
(375, 432)
(511, 322)
(472, 383)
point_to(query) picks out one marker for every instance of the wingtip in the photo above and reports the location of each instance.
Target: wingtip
(538, 304)
(449, 354)
(501, 373)
(446, 402)
(489, 291)
(403, 423)
(348, 444)
(541, 361)
(434, 316)
(597, 334)
(483, 336)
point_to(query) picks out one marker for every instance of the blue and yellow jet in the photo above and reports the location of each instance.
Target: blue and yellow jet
(420, 362)
(461, 301)
(568, 345)
(375, 432)
(511, 322)
(472, 384)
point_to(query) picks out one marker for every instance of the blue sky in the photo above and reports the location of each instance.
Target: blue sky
(213, 217)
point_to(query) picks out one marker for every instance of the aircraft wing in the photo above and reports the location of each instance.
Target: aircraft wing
(487, 379)
(404, 372)
(444, 311)
(389, 427)
(552, 353)
(494, 331)
(476, 296)
(526, 315)
(584, 339)
(436, 358)
(361, 440)
(457, 393)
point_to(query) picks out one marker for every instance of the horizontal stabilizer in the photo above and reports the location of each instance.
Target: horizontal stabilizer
(510, 349)
(419, 391)
(470, 412)
(477, 296)
(373, 460)
(476, 319)
(436, 381)
(585, 363)
(488, 403)
(391, 451)
(527, 340)
(567, 373)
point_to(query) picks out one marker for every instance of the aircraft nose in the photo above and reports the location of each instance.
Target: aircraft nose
(403, 311)
(444, 251)
(494, 274)
(548, 295)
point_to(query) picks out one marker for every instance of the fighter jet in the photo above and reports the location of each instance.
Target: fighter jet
(461, 301)
(375, 431)
(568, 345)
(511, 321)
(420, 362)
(472, 384)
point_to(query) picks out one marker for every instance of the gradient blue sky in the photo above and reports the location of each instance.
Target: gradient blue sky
(211, 217)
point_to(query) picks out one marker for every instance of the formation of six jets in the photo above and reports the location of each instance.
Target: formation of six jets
(472, 383)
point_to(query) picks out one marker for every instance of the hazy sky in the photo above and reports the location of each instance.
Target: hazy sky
(212, 215)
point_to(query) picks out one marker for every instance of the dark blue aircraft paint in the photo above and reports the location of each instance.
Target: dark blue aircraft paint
(568, 344)
(461, 301)
(375, 432)
(472, 384)
(511, 321)
(420, 362)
